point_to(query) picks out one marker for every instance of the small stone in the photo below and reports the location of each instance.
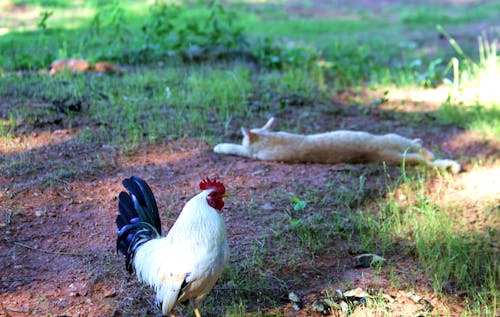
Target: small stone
(75, 290)
(357, 292)
(344, 307)
(427, 305)
(388, 298)
(109, 293)
(193, 52)
(413, 297)
(267, 206)
(339, 294)
(259, 172)
(294, 297)
(367, 260)
(296, 301)
(320, 307)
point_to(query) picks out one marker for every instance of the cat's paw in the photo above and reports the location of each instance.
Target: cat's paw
(220, 148)
(449, 165)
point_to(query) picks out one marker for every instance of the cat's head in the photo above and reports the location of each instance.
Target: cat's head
(251, 136)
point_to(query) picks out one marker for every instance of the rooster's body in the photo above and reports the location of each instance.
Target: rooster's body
(185, 264)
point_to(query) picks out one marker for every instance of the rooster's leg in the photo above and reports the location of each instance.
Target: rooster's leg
(194, 304)
(197, 312)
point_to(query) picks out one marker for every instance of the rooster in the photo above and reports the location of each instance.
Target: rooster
(187, 262)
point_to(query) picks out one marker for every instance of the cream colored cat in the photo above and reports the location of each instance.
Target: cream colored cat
(340, 146)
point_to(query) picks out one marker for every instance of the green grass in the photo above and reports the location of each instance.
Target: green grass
(311, 30)
(429, 16)
(457, 256)
(304, 61)
(133, 33)
(485, 120)
(474, 102)
(152, 104)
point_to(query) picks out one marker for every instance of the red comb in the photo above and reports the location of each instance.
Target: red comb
(208, 183)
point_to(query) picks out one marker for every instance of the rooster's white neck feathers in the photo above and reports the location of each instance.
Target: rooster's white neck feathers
(195, 250)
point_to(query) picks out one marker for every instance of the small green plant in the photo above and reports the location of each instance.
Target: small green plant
(8, 127)
(298, 204)
(170, 28)
(473, 102)
(431, 77)
(236, 310)
(44, 17)
(478, 118)
(474, 81)
(309, 235)
(286, 55)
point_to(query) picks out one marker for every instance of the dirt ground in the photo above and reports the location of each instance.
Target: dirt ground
(59, 203)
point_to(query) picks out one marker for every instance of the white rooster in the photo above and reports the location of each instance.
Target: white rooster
(185, 264)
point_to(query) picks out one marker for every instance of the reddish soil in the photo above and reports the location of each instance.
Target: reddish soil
(59, 202)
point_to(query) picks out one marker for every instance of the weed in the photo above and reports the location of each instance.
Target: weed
(472, 85)
(286, 55)
(44, 16)
(476, 118)
(298, 204)
(473, 81)
(302, 62)
(236, 309)
(465, 257)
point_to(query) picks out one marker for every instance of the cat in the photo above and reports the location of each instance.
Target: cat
(341, 146)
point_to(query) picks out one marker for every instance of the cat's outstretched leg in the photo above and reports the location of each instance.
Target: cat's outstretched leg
(409, 158)
(232, 149)
(416, 158)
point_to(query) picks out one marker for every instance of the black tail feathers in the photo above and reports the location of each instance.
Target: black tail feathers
(138, 220)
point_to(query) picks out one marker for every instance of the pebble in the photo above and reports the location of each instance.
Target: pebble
(344, 307)
(293, 297)
(109, 293)
(419, 300)
(357, 292)
(367, 260)
(296, 301)
(75, 290)
(320, 307)
(413, 297)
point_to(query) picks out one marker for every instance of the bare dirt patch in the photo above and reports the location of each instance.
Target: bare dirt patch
(59, 203)
(59, 206)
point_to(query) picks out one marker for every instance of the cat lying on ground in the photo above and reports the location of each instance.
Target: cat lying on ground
(340, 146)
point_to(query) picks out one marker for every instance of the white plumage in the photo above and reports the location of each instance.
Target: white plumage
(186, 263)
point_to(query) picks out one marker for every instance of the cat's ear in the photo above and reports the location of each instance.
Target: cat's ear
(248, 135)
(270, 125)
(418, 142)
